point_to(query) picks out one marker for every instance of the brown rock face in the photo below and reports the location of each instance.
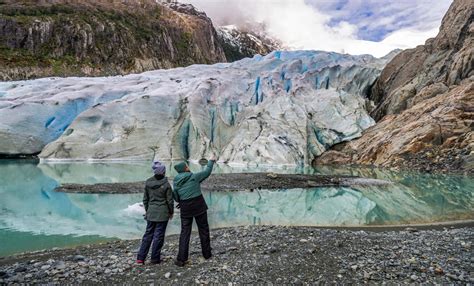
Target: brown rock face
(446, 59)
(95, 38)
(424, 103)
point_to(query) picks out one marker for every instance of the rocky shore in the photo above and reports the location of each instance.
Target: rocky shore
(265, 254)
(235, 182)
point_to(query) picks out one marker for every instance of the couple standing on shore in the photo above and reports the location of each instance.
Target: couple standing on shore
(159, 207)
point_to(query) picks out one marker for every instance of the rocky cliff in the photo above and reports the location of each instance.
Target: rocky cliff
(424, 104)
(241, 43)
(93, 38)
(284, 108)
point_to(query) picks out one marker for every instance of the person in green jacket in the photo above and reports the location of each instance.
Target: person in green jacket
(159, 207)
(187, 192)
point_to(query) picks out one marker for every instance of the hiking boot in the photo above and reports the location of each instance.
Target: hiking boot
(140, 262)
(179, 263)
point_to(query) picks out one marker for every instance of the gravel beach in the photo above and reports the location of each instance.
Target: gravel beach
(235, 182)
(265, 254)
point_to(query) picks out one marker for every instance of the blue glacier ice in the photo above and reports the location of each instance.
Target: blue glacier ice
(34, 113)
(237, 110)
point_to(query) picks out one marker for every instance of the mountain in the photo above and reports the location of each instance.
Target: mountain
(300, 107)
(239, 43)
(424, 101)
(98, 38)
(102, 38)
(284, 108)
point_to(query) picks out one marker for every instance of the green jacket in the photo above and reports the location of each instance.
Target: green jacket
(187, 185)
(158, 200)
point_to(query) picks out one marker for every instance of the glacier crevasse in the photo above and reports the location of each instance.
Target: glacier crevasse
(284, 108)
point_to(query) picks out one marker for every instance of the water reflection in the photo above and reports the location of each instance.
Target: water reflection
(29, 206)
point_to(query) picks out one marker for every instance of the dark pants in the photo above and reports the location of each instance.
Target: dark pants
(186, 227)
(155, 232)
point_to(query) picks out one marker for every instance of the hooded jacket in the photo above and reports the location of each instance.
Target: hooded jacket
(187, 185)
(158, 199)
(187, 190)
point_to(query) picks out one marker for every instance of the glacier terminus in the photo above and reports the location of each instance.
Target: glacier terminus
(283, 108)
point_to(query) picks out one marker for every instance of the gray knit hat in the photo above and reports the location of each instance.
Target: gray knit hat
(158, 168)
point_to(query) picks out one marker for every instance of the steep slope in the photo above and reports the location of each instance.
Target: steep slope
(245, 43)
(424, 101)
(284, 108)
(92, 38)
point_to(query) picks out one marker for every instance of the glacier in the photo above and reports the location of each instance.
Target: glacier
(283, 108)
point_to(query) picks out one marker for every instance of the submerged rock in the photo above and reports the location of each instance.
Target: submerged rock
(284, 108)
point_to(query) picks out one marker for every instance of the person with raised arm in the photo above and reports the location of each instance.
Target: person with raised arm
(187, 193)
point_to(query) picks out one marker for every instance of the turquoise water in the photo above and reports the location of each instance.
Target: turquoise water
(33, 216)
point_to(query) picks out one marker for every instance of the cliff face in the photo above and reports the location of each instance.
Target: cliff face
(79, 38)
(239, 44)
(428, 70)
(424, 103)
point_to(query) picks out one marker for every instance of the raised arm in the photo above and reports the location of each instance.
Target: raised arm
(201, 176)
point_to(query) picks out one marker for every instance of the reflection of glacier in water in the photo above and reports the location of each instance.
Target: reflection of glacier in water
(30, 207)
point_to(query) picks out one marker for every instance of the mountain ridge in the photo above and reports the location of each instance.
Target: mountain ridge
(239, 43)
(101, 38)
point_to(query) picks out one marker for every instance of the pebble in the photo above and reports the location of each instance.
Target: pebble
(20, 269)
(60, 265)
(268, 255)
(78, 258)
(452, 276)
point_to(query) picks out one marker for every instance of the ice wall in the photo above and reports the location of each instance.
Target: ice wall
(284, 108)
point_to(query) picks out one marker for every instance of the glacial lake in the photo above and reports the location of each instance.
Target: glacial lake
(33, 216)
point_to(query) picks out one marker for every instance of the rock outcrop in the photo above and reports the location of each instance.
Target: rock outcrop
(424, 104)
(244, 43)
(428, 70)
(97, 38)
(284, 108)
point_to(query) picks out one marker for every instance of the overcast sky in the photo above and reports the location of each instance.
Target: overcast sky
(354, 26)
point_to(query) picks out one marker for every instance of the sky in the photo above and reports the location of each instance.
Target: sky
(351, 26)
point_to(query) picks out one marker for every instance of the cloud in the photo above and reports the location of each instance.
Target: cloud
(354, 26)
(376, 18)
